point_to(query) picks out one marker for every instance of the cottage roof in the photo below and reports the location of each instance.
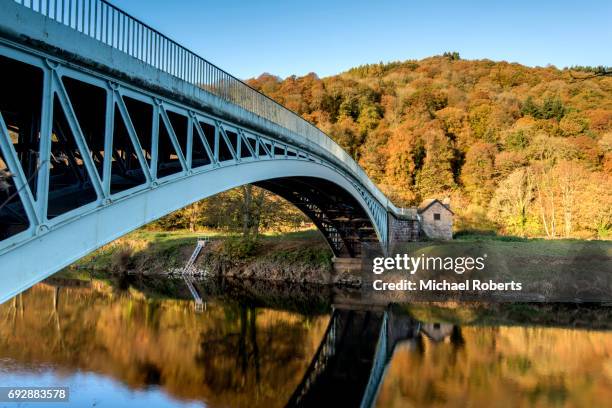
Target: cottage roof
(431, 201)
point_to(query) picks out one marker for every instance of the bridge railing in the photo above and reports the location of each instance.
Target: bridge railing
(112, 26)
(379, 365)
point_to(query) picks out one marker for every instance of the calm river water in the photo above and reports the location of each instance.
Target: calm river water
(142, 343)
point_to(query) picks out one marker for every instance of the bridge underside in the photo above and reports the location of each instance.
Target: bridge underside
(336, 213)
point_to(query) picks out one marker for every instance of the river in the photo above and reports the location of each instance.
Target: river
(141, 342)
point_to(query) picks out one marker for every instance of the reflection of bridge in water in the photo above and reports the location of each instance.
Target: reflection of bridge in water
(256, 344)
(363, 332)
(354, 352)
(351, 360)
(361, 337)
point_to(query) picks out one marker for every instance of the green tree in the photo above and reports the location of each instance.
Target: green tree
(517, 140)
(368, 119)
(346, 133)
(452, 55)
(478, 172)
(530, 108)
(552, 108)
(436, 175)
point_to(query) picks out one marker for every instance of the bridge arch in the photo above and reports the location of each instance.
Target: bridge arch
(118, 158)
(77, 236)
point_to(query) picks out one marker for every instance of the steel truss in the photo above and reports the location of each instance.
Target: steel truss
(92, 142)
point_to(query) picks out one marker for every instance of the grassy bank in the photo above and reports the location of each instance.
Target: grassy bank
(304, 256)
(154, 252)
(525, 257)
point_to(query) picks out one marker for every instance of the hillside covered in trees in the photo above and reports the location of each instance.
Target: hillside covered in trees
(522, 151)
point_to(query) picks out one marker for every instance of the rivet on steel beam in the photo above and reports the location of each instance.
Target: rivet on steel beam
(42, 228)
(113, 85)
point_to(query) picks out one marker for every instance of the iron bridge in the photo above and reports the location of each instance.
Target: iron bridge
(107, 124)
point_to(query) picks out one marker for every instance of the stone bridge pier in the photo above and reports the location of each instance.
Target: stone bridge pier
(403, 226)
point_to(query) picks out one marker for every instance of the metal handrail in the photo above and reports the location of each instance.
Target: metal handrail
(112, 26)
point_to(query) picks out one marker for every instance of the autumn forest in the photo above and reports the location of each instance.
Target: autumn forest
(519, 150)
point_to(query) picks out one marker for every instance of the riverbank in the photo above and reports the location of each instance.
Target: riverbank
(294, 257)
(305, 257)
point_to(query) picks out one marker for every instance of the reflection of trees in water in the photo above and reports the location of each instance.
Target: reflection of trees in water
(457, 343)
(231, 355)
(11, 313)
(243, 352)
(55, 316)
(306, 299)
(152, 374)
(456, 338)
(240, 354)
(518, 366)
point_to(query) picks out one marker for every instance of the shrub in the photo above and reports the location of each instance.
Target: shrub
(240, 247)
(122, 260)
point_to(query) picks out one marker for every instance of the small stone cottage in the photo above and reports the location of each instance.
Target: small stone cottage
(436, 219)
(432, 219)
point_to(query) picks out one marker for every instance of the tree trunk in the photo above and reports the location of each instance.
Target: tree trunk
(256, 219)
(246, 209)
(546, 202)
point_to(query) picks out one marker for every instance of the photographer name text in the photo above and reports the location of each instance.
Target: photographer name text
(444, 285)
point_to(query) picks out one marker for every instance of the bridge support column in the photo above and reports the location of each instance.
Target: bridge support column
(402, 227)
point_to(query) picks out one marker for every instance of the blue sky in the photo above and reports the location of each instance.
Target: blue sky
(290, 37)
